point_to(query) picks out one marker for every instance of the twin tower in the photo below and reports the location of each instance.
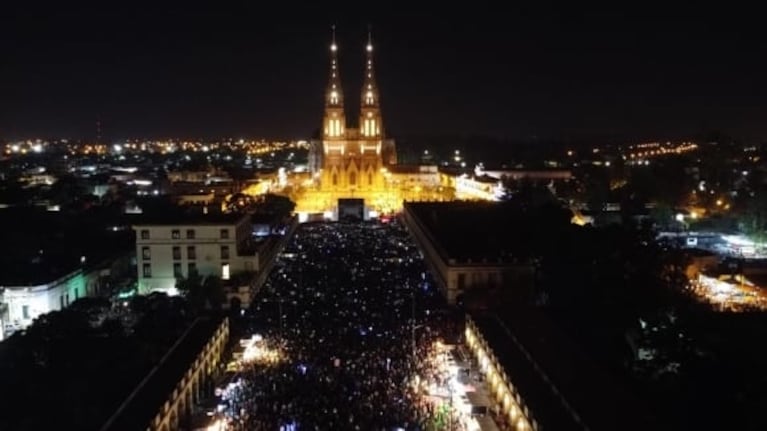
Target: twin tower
(351, 162)
(334, 124)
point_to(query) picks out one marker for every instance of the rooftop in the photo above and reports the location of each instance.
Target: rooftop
(475, 232)
(145, 403)
(264, 218)
(563, 388)
(413, 169)
(39, 247)
(180, 217)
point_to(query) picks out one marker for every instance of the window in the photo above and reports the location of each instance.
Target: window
(144, 233)
(146, 253)
(191, 268)
(77, 293)
(190, 234)
(176, 253)
(147, 270)
(25, 311)
(224, 252)
(177, 270)
(352, 179)
(224, 233)
(191, 253)
(224, 271)
(175, 234)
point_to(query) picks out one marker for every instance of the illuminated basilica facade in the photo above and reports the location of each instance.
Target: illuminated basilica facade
(347, 162)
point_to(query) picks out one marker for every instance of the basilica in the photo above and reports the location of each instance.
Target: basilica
(350, 163)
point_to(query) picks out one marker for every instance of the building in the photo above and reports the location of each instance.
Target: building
(171, 247)
(471, 246)
(27, 300)
(360, 163)
(521, 356)
(219, 189)
(167, 396)
(529, 174)
(414, 175)
(349, 162)
(482, 187)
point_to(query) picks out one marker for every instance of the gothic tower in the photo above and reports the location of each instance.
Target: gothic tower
(334, 122)
(370, 112)
(350, 162)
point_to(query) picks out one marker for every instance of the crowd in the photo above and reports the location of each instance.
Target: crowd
(353, 313)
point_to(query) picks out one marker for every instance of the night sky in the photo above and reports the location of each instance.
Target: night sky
(246, 71)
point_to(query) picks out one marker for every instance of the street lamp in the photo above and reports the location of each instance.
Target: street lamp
(279, 302)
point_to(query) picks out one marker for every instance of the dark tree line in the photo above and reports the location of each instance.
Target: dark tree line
(72, 368)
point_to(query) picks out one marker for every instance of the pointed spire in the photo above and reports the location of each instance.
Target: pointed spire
(333, 46)
(369, 87)
(371, 124)
(334, 94)
(334, 123)
(370, 38)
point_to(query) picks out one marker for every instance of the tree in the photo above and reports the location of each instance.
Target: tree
(214, 293)
(202, 292)
(754, 217)
(139, 304)
(239, 201)
(66, 191)
(192, 289)
(280, 206)
(597, 195)
(662, 214)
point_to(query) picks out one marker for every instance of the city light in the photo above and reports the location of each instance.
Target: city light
(259, 350)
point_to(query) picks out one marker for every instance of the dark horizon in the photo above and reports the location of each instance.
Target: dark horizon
(630, 75)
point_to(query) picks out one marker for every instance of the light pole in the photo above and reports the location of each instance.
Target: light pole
(279, 301)
(412, 322)
(279, 309)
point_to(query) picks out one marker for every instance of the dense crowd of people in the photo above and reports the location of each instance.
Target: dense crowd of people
(353, 313)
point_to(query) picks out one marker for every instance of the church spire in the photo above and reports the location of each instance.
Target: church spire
(369, 87)
(370, 114)
(334, 121)
(334, 93)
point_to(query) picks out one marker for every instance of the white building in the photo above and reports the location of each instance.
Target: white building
(444, 231)
(478, 187)
(215, 244)
(26, 303)
(413, 175)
